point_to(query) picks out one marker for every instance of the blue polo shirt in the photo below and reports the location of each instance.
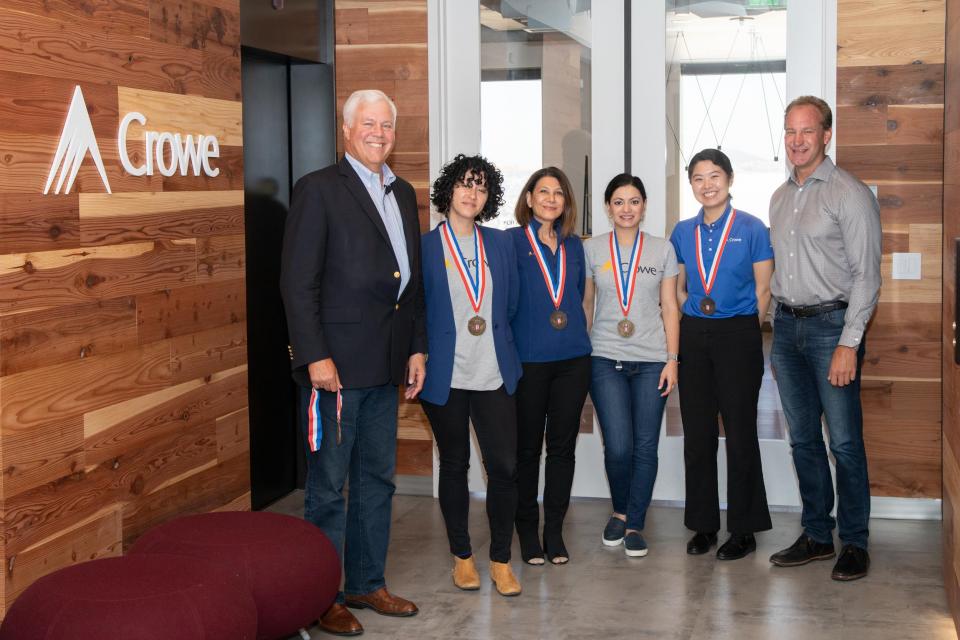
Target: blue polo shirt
(536, 340)
(734, 289)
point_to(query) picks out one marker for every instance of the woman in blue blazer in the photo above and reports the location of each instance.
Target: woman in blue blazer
(471, 288)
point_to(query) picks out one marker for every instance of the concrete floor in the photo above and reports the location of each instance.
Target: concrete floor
(668, 594)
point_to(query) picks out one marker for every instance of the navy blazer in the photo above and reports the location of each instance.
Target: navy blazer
(441, 332)
(340, 280)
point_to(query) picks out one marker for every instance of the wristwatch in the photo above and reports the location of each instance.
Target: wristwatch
(673, 356)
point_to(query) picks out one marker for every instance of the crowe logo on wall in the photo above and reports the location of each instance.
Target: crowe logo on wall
(167, 152)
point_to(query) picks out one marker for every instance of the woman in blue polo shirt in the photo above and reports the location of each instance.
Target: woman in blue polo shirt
(551, 333)
(471, 287)
(726, 262)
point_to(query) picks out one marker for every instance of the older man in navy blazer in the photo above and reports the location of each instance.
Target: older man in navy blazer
(353, 295)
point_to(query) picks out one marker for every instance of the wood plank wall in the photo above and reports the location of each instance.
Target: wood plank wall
(951, 371)
(382, 44)
(890, 104)
(122, 335)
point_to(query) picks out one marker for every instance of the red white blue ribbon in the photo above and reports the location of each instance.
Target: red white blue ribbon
(555, 285)
(625, 283)
(315, 422)
(475, 284)
(709, 279)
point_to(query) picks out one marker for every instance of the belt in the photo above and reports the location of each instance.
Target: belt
(812, 310)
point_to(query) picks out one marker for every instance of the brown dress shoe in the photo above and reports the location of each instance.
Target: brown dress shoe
(384, 603)
(502, 575)
(340, 622)
(465, 574)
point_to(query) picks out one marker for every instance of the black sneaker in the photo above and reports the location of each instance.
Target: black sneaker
(852, 564)
(634, 545)
(613, 532)
(804, 550)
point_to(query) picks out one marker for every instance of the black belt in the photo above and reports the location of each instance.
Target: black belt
(813, 309)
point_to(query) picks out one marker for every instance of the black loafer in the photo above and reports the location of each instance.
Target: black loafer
(853, 564)
(739, 545)
(701, 542)
(804, 550)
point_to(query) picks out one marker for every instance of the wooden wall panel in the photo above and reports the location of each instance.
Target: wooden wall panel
(123, 380)
(890, 106)
(951, 371)
(382, 44)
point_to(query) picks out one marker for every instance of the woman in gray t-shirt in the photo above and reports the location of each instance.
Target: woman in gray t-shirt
(634, 322)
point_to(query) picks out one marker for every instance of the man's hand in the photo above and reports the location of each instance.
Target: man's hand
(843, 366)
(323, 375)
(416, 374)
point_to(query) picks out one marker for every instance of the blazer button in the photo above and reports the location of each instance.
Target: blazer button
(290, 350)
(397, 307)
(396, 274)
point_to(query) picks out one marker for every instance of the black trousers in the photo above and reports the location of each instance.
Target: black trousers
(721, 367)
(493, 414)
(550, 399)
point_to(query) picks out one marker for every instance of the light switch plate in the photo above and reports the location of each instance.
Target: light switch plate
(906, 266)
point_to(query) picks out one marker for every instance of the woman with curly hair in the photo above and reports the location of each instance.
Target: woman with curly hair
(471, 289)
(551, 332)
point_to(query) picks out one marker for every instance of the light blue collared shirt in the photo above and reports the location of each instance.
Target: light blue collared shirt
(386, 204)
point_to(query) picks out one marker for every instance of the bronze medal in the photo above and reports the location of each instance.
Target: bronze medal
(708, 306)
(625, 328)
(476, 325)
(558, 320)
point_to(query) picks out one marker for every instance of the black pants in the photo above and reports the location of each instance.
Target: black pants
(550, 399)
(494, 420)
(721, 367)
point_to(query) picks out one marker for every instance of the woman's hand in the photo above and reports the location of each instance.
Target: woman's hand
(668, 377)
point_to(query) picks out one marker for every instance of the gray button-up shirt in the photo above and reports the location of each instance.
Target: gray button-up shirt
(389, 210)
(826, 242)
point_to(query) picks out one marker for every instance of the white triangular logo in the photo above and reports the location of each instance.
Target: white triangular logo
(77, 138)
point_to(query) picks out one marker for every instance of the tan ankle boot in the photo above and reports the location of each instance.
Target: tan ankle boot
(502, 575)
(465, 573)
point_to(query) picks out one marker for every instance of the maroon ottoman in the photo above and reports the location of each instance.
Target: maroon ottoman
(148, 597)
(289, 565)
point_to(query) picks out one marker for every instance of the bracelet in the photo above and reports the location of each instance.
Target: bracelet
(673, 356)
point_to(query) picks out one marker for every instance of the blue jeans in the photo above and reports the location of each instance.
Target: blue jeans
(802, 350)
(359, 525)
(630, 410)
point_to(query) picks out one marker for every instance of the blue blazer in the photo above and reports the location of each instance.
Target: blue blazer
(441, 332)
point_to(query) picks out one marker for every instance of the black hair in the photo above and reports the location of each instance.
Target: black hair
(476, 170)
(715, 156)
(624, 180)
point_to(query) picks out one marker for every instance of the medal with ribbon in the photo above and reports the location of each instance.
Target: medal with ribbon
(625, 282)
(476, 283)
(555, 283)
(707, 304)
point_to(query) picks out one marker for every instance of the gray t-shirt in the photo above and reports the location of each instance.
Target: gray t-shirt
(649, 341)
(475, 366)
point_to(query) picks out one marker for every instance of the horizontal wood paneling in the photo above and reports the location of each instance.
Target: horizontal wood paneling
(890, 97)
(123, 381)
(383, 45)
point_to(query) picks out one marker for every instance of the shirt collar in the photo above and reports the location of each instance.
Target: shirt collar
(821, 173)
(720, 221)
(368, 176)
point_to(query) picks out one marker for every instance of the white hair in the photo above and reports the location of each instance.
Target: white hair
(365, 96)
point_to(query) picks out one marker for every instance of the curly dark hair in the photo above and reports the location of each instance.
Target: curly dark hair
(460, 169)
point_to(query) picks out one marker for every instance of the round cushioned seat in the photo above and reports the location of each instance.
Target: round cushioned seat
(289, 565)
(145, 597)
